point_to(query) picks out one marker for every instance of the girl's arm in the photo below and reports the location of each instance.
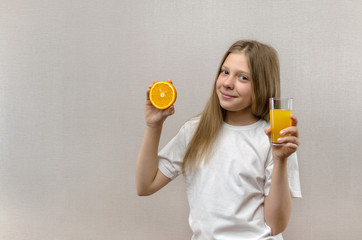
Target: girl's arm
(278, 204)
(148, 178)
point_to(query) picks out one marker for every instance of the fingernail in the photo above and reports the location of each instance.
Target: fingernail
(282, 132)
(279, 140)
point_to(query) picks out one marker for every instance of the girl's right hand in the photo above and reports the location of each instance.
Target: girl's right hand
(154, 116)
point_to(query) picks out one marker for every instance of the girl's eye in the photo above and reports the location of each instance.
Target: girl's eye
(224, 72)
(242, 77)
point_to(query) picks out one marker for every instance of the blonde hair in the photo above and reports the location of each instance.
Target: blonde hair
(265, 74)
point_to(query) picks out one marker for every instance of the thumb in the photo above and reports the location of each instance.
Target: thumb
(267, 131)
(169, 111)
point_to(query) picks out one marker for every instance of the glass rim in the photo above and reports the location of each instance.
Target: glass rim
(281, 98)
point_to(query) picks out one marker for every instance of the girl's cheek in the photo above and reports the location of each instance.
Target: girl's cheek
(219, 82)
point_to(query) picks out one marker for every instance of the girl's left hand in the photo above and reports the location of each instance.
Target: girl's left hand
(290, 141)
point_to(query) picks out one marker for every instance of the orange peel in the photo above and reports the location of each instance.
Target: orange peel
(162, 94)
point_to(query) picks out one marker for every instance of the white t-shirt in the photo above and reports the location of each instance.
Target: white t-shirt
(226, 195)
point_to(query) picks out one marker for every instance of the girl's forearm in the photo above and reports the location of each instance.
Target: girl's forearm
(278, 204)
(147, 162)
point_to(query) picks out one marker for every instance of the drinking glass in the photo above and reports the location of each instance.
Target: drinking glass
(280, 111)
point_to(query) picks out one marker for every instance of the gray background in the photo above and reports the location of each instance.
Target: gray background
(73, 76)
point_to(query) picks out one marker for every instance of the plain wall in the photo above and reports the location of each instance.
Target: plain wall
(73, 77)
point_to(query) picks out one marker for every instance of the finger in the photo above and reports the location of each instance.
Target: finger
(169, 111)
(290, 130)
(148, 89)
(267, 131)
(148, 92)
(292, 147)
(289, 139)
(294, 120)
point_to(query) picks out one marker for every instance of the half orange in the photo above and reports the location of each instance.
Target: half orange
(162, 94)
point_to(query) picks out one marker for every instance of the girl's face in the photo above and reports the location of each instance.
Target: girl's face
(233, 85)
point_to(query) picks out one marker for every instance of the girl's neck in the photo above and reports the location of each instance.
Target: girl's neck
(240, 118)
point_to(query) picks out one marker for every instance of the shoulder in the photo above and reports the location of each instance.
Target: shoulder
(191, 124)
(261, 125)
(194, 120)
(188, 129)
(264, 123)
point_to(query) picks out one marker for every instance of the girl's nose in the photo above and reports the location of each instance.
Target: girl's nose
(229, 83)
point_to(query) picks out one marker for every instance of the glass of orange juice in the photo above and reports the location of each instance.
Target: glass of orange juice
(280, 111)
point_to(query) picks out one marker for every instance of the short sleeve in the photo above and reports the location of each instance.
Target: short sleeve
(171, 156)
(293, 175)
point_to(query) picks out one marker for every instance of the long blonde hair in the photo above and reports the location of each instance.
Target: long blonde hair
(265, 74)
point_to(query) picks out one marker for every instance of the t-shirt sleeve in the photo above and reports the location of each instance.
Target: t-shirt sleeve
(171, 156)
(293, 175)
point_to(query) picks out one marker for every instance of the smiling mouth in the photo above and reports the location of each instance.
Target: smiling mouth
(226, 96)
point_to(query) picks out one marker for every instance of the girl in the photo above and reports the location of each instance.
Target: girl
(238, 185)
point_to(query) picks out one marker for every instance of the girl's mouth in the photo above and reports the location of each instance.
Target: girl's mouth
(226, 96)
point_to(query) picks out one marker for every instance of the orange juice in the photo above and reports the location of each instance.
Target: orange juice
(279, 119)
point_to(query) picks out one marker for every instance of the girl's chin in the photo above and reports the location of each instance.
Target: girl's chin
(233, 108)
(229, 108)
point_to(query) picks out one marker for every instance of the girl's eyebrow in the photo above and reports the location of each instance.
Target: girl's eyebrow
(238, 71)
(246, 73)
